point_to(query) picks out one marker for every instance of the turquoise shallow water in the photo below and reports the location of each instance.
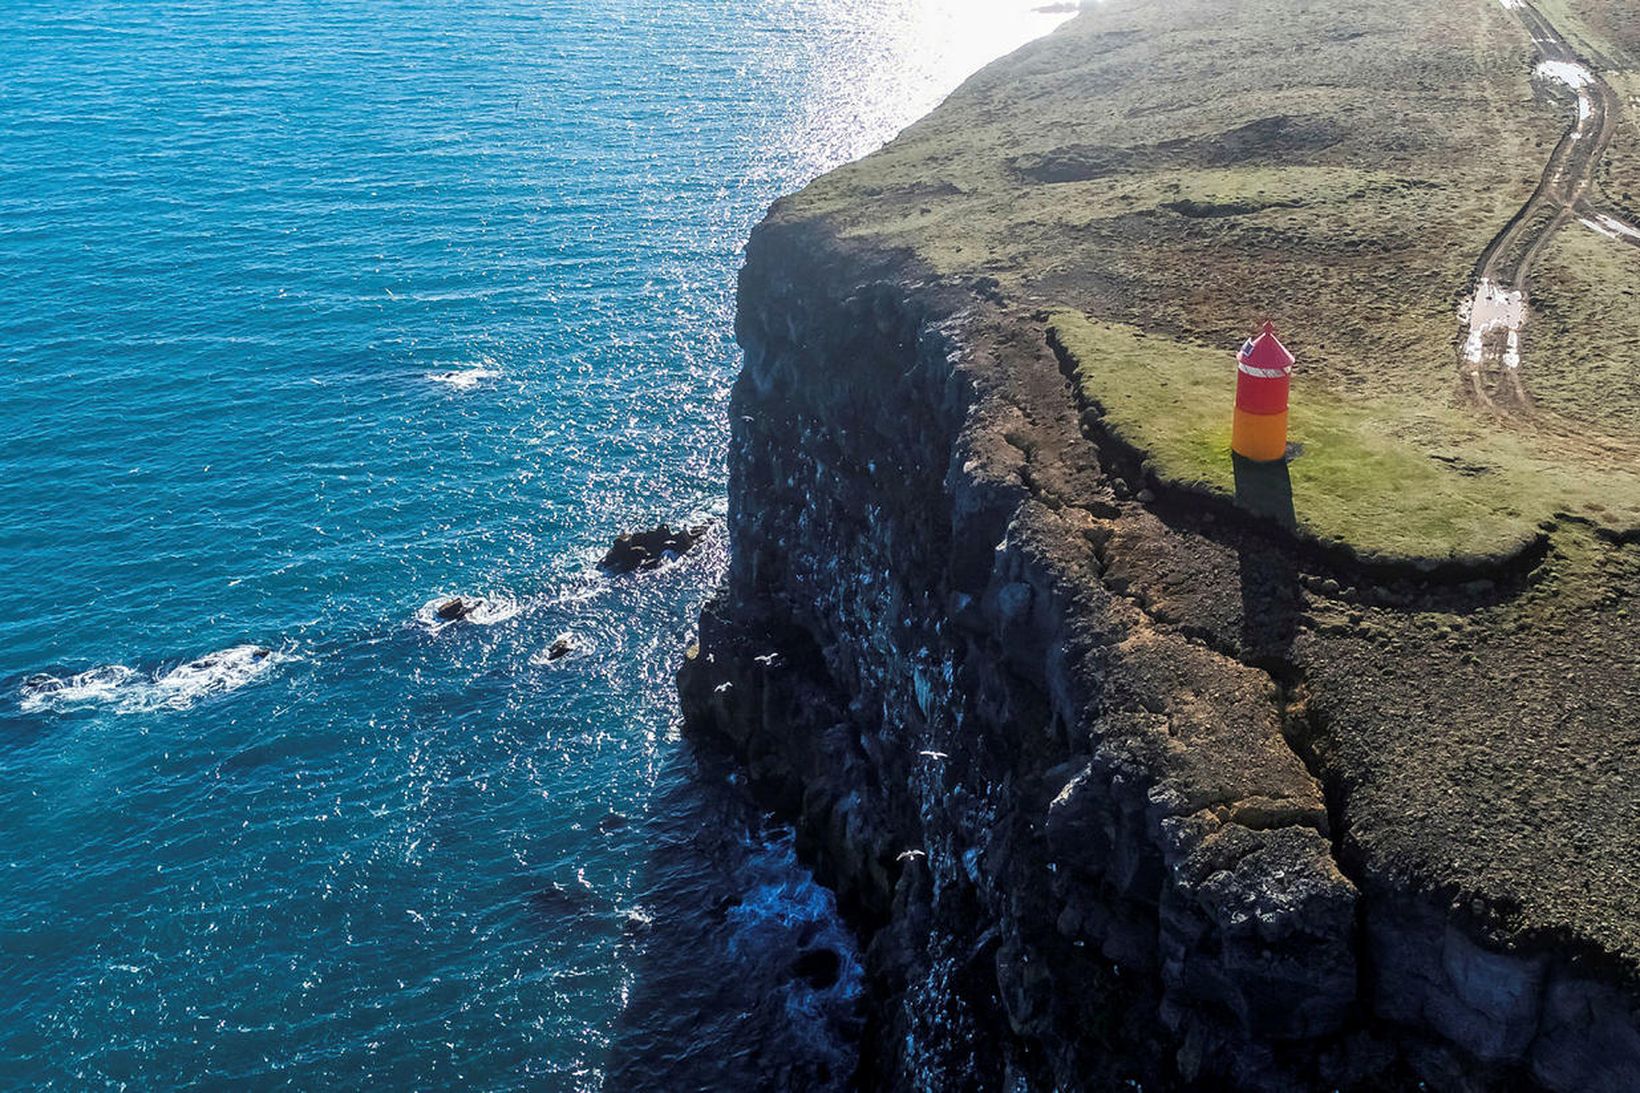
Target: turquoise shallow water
(310, 315)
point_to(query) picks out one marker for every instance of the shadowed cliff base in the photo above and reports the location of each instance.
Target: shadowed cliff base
(744, 977)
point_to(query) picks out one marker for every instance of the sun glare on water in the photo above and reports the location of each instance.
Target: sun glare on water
(907, 57)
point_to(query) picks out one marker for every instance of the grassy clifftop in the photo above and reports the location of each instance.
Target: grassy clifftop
(1403, 482)
(1390, 483)
(1338, 168)
(1189, 171)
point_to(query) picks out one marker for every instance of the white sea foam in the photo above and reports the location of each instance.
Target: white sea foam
(126, 690)
(89, 688)
(572, 645)
(481, 611)
(217, 673)
(465, 379)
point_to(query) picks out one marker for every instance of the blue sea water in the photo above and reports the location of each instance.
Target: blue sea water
(312, 314)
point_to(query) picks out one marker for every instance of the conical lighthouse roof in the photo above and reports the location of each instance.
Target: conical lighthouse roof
(1265, 352)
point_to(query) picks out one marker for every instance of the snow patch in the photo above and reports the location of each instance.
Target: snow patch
(1570, 73)
(1610, 227)
(1491, 309)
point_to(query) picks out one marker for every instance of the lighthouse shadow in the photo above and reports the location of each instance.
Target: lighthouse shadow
(1270, 599)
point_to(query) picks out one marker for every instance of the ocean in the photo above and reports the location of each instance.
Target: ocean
(312, 315)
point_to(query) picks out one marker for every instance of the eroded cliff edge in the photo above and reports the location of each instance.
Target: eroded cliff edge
(1121, 787)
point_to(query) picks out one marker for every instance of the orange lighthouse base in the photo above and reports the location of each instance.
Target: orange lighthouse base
(1264, 372)
(1261, 437)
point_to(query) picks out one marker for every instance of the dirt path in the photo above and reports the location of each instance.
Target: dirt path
(1490, 360)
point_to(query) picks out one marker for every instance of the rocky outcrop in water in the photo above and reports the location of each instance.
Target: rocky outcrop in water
(1054, 754)
(647, 549)
(454, 609)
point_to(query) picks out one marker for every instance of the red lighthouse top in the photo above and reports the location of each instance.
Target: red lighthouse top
(1265, 355)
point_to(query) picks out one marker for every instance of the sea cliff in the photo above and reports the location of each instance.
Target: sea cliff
(1117, 784)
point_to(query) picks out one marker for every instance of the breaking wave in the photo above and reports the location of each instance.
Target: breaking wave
(465, 379)
(124, 689)
(475, 611)
(566, 646)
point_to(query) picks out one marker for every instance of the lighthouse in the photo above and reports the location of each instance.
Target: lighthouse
(1264, 371)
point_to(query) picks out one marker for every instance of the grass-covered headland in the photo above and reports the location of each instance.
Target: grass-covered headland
(1401, 482)
(1338, 168)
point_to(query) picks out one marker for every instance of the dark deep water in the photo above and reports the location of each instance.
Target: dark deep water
(311, 314)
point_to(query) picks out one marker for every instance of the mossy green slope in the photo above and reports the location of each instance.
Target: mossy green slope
(1392, 481)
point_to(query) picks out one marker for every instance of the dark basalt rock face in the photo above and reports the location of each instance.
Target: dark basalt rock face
(984, 748)
(647, 549)
(1079, 834)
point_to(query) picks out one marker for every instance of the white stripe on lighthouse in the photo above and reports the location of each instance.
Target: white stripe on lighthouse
(1264, 373)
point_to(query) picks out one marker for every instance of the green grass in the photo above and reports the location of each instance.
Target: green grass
(1361, 156)
(1606, 28)
(1619, 176)
(1582, 350)
(1389, 481)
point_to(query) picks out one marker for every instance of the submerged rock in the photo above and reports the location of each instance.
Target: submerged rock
(556, 900)
(647, 549)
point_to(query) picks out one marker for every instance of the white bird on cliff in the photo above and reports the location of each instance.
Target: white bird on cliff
(909, 855)
(722, 687)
